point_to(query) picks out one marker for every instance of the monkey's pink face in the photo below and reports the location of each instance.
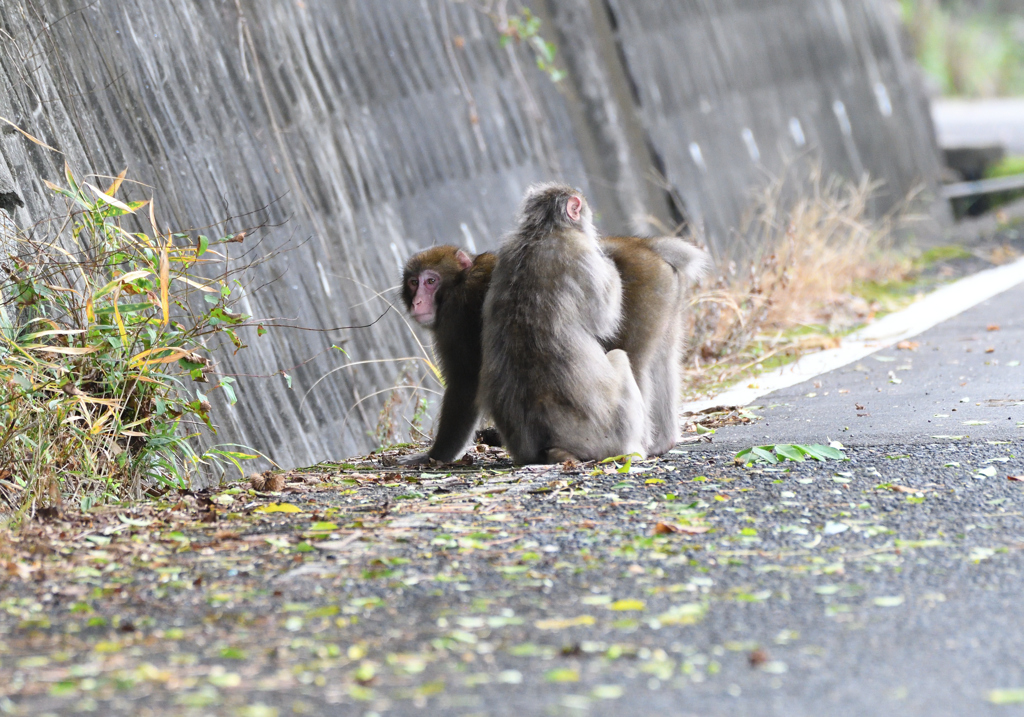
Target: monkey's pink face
(424, 287)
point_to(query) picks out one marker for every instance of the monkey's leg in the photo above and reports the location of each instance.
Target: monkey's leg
(663, 408)
(663, 393)
(458, 419)
(632, 415)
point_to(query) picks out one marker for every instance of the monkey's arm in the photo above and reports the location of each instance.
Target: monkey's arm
(458, 419)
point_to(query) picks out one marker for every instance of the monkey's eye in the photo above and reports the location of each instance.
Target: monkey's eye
(431, 281)
(414, 283)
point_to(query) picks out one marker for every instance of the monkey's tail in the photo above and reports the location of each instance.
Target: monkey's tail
(682, 256)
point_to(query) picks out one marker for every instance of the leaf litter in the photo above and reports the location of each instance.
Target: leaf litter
(368, 582)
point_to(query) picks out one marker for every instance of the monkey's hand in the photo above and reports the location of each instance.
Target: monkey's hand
(416, 459)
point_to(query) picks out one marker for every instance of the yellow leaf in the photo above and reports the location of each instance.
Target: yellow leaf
(165, 280)
(686, 614)
(67, 350)
(196, 284)
(110, 200)
(563, 623)
(278, 508)
(112, 189)
(169, 358)
(117, 318)
(627, 605)
(123, 279)
(90, 313)
(55, 332)
(111, 402)
(30, 137)
(98, 425)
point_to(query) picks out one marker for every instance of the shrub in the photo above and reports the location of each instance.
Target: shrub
(104, 333)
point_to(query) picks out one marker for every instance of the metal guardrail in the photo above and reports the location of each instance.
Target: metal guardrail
(983, 186)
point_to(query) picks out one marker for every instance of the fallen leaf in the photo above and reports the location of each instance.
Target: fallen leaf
(889, 601)
(990, 350)
(1006, 697)
(758, 657)
(278, 508)
(685, 614)
(992, 327)
(608, 692)
(1016, 478)
(628, 605)
(562, 674)
(563, 623)
(667, 528)
(908, 345)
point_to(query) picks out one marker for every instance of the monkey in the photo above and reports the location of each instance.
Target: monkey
(448, 287)
(443, 289)
(553, 390)
(656, 274)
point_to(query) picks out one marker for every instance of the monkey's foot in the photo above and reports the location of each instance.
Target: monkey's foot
(560, 455)
(416, 459)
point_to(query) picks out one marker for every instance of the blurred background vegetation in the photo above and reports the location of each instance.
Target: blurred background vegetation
(969, 48)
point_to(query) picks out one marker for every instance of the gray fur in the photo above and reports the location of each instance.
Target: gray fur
(682, 256)
(551, 388)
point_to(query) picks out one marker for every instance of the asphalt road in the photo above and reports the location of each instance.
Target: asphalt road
(886, 584)
(963, 378)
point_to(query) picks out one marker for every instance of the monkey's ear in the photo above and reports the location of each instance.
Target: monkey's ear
(574, 208)
(464, 259)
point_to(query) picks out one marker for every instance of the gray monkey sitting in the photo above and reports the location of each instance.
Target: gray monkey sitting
(553, 391)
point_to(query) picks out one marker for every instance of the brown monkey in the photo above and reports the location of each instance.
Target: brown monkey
(551, 387)
(655, 276)
(443, 289)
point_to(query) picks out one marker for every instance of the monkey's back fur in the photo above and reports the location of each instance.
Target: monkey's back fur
(547, 380)
(656, 273)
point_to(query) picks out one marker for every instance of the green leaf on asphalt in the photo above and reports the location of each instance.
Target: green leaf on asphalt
(823, 453)
(789, 452)
(563, 674)
(889, 601)
(792, 453)
(1006, 697)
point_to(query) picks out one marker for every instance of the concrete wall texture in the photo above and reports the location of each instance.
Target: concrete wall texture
(357, 132)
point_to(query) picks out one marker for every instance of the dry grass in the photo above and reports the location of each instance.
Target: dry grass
(798, 294)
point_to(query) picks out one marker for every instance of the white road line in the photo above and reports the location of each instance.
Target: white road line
(939, 306)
